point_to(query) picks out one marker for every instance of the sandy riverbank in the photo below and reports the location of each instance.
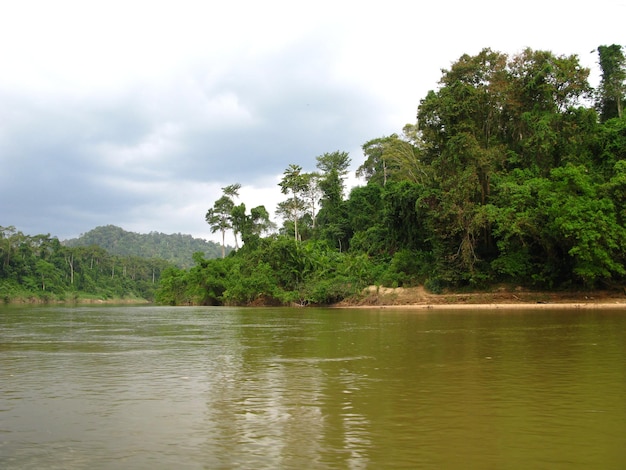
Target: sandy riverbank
(419, 298)
(508, 306)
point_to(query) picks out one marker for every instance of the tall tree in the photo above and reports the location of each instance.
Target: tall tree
(295, 183)
(613, 85)
(253, 225)
(260, 221)
(375, 168)
(232, 191)
(490, 115)
(461, 127)
(394, 158)
(312, 195)
(238, 220)
(334, 168)
(7, 239)
(219, 218)
(333, 171)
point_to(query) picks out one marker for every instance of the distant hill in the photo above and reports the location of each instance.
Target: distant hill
(175, 248)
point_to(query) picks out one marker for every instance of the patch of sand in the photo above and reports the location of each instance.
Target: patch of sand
(502, 298)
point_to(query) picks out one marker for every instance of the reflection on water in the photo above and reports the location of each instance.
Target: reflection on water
(160, 387)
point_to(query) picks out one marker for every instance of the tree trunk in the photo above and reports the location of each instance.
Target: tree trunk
(70, 261)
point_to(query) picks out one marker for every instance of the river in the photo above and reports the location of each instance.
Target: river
(92, 387)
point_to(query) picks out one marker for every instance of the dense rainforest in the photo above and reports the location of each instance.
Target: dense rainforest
(514, 172)
(176, 248)
(107, 263)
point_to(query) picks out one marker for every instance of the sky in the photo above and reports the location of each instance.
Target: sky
(136, 113)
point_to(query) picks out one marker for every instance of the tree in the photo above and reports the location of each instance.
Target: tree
(176, 248)
(219, 216)
(251, 226)
(238, 220)
(260, 221)
(232, 191)
(461, 126)
(294, 183)
(332, 217)
(586, 225)
(394, 158)
(612, 88)
(374, 168)
(334, 168)
(312, 195)
(69, 259)
(493, 114)
(7, 239)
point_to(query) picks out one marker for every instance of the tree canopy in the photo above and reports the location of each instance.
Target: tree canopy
(175, 248)
(508, 175)
(40, 267)
(513, 172)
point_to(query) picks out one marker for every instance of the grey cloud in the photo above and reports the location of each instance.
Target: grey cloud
(73, 162)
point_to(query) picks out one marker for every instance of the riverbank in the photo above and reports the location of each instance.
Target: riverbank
(502, 298)
(37, 300)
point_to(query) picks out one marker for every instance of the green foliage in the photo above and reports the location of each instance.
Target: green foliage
(294, 182)
(585, 224)
(173, 288)
(407, 268)
(223, 216)
(40, 267)
(394, 158)
(275, 271)
(612, 90)
(176, 248)
(506, 177)
(611, 146)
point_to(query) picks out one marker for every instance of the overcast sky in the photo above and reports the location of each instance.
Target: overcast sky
(136, 113)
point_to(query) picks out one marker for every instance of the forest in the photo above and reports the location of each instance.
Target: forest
(176, 248)
(513, 173)
(106, 263)
(39, 268)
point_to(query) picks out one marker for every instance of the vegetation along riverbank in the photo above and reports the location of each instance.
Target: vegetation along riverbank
(514, 173)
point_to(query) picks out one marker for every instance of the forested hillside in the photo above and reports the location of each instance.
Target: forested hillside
(514, 172)
(40, 268)
(177, 248)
